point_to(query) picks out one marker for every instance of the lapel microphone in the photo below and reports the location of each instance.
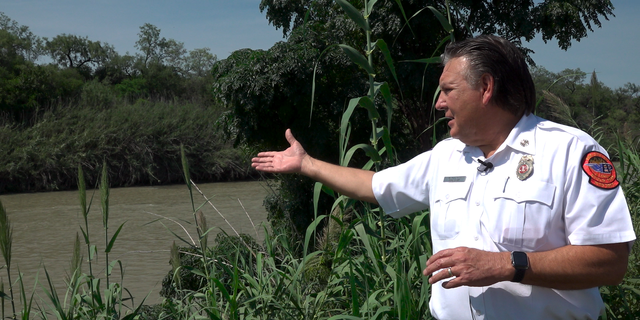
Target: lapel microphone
(485, 166)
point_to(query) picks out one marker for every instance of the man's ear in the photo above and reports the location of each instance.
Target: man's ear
(487, 84)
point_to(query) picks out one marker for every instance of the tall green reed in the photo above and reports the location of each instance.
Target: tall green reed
(84, 297)
(6, 241)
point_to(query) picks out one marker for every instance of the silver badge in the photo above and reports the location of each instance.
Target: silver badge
(524, 142)
(525, 167)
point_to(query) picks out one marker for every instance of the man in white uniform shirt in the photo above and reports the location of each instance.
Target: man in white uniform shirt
(527, 218)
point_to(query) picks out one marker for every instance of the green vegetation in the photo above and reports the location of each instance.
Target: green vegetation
(141, 142)
(91, 104)
(122, 119)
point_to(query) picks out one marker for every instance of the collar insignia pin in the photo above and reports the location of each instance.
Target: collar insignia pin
(525, 167)
(524, 142)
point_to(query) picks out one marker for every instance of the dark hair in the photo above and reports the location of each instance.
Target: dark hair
(514, 89)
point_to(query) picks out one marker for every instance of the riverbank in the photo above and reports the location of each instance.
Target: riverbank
(140, 143)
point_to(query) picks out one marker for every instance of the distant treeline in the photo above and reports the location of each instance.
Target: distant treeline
(91, 106)
(578, 99)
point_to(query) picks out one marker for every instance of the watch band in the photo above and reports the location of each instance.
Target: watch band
(518, 276)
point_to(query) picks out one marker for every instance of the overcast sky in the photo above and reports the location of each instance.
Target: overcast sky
(228, 25)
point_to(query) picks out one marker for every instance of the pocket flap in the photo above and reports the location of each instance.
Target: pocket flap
(525, 191)
(450, 191)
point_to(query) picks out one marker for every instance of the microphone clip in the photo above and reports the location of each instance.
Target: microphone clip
(485, 166)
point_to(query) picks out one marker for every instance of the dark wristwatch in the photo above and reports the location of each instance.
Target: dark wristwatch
(520, 262)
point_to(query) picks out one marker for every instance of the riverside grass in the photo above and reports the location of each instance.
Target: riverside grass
(141, 141)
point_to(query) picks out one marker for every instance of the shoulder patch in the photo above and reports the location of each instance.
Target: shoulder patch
(600, 170)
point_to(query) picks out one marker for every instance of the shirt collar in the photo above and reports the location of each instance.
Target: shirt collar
(521, 138)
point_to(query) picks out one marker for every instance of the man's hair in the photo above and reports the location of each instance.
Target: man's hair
(487, 54)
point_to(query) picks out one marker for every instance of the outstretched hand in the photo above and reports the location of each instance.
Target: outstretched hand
(287, 161)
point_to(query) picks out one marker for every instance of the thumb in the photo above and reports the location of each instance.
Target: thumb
(290, 137)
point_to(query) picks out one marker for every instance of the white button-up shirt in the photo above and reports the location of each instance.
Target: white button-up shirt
(550, 204)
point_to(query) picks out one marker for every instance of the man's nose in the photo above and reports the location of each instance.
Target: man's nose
(440, 103)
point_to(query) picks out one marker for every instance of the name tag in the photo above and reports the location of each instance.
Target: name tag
(455, 179)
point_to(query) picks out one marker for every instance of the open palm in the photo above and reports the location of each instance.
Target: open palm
(287, 161)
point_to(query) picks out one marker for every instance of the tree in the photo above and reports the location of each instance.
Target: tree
(199, 62)
(72, 51)
(158, 50)
(27, 45)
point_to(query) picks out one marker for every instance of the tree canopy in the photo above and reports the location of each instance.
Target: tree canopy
(412, 29)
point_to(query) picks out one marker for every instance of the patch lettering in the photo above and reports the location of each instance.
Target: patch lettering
(600, 170)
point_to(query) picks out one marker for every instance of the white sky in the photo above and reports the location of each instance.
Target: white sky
(228, 25)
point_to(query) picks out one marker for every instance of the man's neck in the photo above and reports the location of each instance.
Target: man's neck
(498, 133)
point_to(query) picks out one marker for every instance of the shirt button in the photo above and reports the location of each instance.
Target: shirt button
(478, 313)
(477, 203)
(476, 238)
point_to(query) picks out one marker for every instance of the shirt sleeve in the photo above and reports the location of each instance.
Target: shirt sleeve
(593, 214)
(404, 189)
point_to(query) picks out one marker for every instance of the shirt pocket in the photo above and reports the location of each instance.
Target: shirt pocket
(449, 209)
(518, 214)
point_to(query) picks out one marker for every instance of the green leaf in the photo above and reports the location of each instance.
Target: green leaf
(385, 91)
(362, 234)
(354, 14)
(357, 58)
(313, 81)
(369, 6)
(386, 139)
(317, 188)
(113, 239)
(404, 15)
(366, 103)
(104, 194)
(367, 148)
(310, 231)
(382, 45)
(443, 21)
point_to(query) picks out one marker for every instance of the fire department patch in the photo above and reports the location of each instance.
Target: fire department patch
(600, 170)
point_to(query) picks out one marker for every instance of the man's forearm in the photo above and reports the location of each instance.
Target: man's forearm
(566, 268)
(352, 182)
(578, 267)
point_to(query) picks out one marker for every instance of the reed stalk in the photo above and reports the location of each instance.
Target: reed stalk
(6, 241)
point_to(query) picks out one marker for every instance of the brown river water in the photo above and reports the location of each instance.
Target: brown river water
(45, 226)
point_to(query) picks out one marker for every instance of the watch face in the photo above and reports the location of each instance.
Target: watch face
(519, 260)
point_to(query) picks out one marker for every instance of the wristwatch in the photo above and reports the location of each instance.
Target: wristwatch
(520, 262)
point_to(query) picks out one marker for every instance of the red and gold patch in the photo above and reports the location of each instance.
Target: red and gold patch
(600, 170)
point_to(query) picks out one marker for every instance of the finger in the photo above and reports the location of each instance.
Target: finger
(266, 154)
(441, 262)
(442, 274)
(261, 166)
(439, 255)
(453, 283)
(262, 159)
(290, 137)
